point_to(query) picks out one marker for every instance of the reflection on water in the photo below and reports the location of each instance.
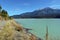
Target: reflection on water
(39, 27)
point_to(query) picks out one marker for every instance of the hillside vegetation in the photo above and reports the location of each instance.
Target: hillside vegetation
(4, 14)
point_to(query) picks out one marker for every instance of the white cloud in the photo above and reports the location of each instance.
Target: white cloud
(55, 6)
(55, 2)
(25, 4)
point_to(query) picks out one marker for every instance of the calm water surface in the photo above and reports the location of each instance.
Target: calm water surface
(39, 27)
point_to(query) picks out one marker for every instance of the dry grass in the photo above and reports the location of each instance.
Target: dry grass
(7, 33)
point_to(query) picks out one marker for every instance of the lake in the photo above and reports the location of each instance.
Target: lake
(38, 27)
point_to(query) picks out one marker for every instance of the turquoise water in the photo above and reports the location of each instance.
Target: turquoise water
(38, 27)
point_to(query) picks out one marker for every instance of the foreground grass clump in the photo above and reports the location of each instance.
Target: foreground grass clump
(7, 33)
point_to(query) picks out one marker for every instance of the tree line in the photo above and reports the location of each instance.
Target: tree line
(4, 14)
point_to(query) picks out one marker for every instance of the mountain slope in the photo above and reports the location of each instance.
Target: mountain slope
(43, 13)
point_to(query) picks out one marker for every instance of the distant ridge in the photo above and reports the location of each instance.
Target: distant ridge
(43, 13)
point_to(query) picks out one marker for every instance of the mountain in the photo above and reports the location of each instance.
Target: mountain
(42, 13)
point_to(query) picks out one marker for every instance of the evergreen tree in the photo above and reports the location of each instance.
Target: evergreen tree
(0, 8)
(4, 13)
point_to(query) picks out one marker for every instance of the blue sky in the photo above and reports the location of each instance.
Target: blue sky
(20, 6)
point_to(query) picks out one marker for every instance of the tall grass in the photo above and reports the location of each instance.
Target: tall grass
(7, 33)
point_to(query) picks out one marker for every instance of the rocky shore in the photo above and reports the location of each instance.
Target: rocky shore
(10, 30)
